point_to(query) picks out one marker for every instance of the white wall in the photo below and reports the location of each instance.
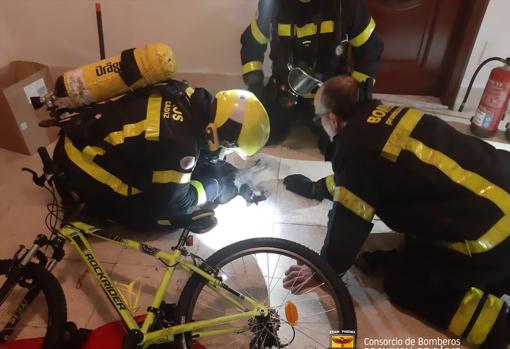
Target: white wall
(203, 33)
(493, 40)
(7, 48)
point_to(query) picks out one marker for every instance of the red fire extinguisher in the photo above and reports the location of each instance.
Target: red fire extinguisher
(494, 102)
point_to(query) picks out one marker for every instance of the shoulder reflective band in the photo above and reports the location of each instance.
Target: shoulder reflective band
(84, 160)
(353, 203)
(170, 176)
(201, 195)
(128, 130)
(330, 184)
(485, 320)
(476, 184)
(400, 135)
(153, 118)
(360, 77)
(150, 125)
(257, 34)
(252, 66)
(363, 37)
(307, 29)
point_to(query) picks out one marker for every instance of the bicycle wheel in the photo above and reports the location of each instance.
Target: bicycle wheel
(44, 317)
(256, 268)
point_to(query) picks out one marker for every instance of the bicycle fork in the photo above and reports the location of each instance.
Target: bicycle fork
(14, 277)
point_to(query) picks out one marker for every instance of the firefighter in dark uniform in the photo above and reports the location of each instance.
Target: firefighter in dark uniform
(313, 35)
(136, 163)
(448, 192)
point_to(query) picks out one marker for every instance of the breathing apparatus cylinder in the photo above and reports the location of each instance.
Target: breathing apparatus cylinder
(114, 76)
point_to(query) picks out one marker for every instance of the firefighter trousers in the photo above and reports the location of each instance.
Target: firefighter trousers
(454, 292)
(283, 109)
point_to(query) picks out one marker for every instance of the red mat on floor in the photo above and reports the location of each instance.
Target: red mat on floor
(107, 336)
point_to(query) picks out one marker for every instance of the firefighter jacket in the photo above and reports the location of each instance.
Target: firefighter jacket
(421, 177)
(311, 35)
(135, 163)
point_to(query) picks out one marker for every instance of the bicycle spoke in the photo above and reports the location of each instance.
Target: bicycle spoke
(260, 271)
(313, 339)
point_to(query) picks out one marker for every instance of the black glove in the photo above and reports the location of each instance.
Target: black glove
(304, 186)
(251, 197)
(228, 189)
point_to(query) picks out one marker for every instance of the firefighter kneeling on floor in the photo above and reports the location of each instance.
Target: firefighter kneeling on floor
(448, 192)
(135, 161)
(314, 35)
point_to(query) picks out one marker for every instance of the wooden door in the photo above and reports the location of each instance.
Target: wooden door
(423, 41)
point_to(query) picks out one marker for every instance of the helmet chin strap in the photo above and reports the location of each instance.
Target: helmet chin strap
(213, 141)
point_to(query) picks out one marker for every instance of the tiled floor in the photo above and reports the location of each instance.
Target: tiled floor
(285, 215)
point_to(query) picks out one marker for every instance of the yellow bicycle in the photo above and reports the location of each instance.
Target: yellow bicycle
(235, 298)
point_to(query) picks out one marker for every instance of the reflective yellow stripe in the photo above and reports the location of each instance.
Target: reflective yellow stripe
(485, 321)
(283, 29)
(476, 184)
(252, 66)
(465, 311)
(327, 27)
(354, 203)
(307, 29)
(150, 125)
(84, 160)
(201, 196)
(257, 34)
(363, 37)
(492, 238)
(164, 222)
(400, 135)
(170, 176)
(360, 77)
(310, 95)
(189, 91)
(153, 118)
(89, 153)
(128, 130)
(330, 184)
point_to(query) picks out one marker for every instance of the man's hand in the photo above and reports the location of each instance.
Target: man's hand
(299, 278)
(250, 195)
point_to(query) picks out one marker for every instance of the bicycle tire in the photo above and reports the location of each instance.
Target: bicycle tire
(229, 253)
(54, 298)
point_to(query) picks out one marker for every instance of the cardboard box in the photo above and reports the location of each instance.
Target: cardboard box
(19, 129)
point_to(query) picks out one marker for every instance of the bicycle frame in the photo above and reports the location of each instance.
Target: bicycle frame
(75, 232)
